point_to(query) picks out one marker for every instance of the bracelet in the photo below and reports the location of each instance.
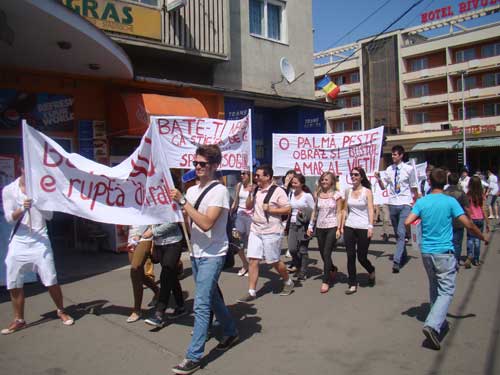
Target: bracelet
(370, 226)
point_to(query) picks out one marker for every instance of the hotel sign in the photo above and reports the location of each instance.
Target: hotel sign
(474, 130)
(463, 7)
(118, 17)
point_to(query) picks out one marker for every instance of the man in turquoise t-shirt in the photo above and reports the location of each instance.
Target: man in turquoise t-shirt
(437, 212)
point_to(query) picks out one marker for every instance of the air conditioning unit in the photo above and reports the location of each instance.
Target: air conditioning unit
(445, 126)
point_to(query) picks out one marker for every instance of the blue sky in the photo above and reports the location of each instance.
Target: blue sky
(332, 19)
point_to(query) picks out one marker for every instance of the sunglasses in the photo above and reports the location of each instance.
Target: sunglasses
(355, 174)
(202, 164)
(244, 173)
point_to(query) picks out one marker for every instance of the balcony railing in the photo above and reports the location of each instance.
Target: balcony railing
(343, 112)
(425, 100)
(439, 71)
(202, 26)
(480, 92)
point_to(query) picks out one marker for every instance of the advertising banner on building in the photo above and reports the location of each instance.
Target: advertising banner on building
(46, 112)
(135, 191)
(313, 154)
(182, 135)
(119, 17)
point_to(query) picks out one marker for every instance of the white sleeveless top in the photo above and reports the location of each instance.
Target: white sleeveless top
(357, 210)
(242, 201)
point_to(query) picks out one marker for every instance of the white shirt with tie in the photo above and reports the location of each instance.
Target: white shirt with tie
(400, 179)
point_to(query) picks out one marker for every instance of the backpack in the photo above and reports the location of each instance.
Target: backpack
(267, 198)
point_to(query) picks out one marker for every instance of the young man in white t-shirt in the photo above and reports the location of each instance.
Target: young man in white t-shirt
(492, 194)
(210, 244)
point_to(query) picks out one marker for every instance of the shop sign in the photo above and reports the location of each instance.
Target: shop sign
(46, 112)
(474, 130)
(463, 7)
(119, 17)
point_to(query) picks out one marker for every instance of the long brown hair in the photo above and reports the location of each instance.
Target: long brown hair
(364, 180)
(300, 177)
(475, 192)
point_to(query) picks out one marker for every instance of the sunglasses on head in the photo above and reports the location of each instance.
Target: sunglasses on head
(202, 164)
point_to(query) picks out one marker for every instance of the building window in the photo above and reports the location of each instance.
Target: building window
(339, 80)
(355, 101)
(491, 109)
(420, 90)
(470, 112)
(419, 64)
(491, 79)
(420, 117)
(266, 18)
(340, 102)
(356, 124)
(465, 55)
(339, 127)
(470, 83)
(490, 50)
(355, 77)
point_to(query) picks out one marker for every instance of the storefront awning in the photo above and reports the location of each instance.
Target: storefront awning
(483, 142)
(47, 36)
(442, 145)
(129, 115)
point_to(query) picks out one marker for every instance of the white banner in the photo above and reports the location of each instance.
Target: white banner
(313, 154)
(134, 192)
(182, 135)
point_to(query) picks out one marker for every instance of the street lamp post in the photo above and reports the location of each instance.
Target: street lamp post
(463, 73)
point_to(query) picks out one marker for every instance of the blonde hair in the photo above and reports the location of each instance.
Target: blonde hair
(334, 182)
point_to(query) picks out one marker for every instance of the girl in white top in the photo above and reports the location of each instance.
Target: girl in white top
(243, 217)
(302, 203)
(326, 217)
(358, 226)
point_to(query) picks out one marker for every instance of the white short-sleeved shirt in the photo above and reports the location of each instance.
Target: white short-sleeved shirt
(13, 199)
(304, 203)
(213, 242)
(400, 184)
(493, 184)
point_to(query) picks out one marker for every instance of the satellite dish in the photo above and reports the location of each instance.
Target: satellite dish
(287, 70)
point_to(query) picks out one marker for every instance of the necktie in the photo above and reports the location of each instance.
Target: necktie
(397, 188)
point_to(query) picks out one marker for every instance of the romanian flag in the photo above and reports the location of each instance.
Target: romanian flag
(330, 88)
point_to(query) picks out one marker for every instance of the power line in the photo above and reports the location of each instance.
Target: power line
(376, 36)
(359, 24)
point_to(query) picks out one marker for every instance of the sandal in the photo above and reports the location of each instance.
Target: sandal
(134, 317)
(324, 288)
(16, 325)
(243, 271)
(65, 318)
(352, 289)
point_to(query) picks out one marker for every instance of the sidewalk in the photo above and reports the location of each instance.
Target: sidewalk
(375, 331)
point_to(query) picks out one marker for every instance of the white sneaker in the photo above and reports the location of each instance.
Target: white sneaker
(288, 255)
(491, 217)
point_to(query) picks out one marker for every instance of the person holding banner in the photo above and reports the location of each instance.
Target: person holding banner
(437, 212)
(269, 202)
(29, 249)
(243, 217)
(302, 204)
(207, 205)
(358, 227)
(403, 191)
(326, 219)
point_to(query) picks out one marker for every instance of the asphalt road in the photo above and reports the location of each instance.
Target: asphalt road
(375, 331)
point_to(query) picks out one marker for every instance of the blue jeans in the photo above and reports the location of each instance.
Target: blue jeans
(399, 213)
(441, 271)
(473, 242)
(458, 238)
(206, 272)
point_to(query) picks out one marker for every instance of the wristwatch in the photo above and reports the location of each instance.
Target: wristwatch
(182, 201)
